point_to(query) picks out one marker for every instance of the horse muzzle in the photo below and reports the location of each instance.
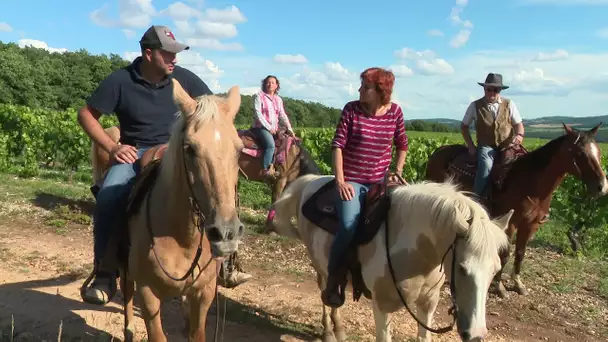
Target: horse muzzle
(224, 236)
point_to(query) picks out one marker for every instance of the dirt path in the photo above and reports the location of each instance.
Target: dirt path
(41, 272)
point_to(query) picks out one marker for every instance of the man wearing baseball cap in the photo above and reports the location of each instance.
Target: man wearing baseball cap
(141, 96)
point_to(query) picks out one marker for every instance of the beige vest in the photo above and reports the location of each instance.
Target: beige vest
(495, 133)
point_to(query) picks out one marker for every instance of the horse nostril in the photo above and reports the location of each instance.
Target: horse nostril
(241, 230)
(466, 335)
(215, 234)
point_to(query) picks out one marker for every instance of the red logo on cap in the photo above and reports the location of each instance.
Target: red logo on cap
(170, 34)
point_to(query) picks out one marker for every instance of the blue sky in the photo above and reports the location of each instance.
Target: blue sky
(553, 53)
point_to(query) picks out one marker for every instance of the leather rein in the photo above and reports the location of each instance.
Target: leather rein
(453, 311)
(198, 219)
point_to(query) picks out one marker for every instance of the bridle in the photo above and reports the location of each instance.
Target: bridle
(198, 219)
(453, 311)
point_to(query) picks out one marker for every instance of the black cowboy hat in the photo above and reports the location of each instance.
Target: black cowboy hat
(493, 80)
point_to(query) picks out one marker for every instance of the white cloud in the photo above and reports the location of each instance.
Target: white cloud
(130, 34)
(230, 15)
(401, 70)
(180, 11)
(559, 54)
(408, 53)
(293, 59)
(336, 71)
(460, 39)
(603, 33)
(435, 33)
(213, 44)
(39, 44)
(438, 66)
(131, 14)
(216, 29)
(4, 27)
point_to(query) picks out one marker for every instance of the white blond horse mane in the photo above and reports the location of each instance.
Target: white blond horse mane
(425, 204)
(207, 110)
(443, 205)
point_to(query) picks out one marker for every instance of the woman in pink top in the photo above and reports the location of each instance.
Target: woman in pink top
(269, 111)
(362, 154)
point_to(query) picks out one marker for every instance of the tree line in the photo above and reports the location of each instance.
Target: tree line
(40, 79)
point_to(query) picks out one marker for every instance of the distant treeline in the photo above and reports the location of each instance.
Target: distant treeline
(39, 79)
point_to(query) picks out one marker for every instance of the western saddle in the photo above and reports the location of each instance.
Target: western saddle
(320, 209)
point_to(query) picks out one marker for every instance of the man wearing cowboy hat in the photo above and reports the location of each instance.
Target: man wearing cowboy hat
(498, 124)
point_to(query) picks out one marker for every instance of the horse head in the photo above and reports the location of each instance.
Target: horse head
(583, 158)
(203, 161)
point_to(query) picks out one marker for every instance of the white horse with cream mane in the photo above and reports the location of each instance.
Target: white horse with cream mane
(433, 229)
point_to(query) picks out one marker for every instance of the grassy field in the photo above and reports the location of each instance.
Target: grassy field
(45, 249)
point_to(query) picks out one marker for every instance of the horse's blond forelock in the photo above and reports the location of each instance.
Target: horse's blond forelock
(207, 110)
(450, 208)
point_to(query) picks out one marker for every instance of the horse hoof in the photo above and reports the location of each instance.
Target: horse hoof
(340, 335)
(500, 291)
(329, 337)
(521, 290)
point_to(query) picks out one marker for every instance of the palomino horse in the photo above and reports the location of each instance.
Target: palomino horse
(426, 220)
(527, 185)
(182, 214)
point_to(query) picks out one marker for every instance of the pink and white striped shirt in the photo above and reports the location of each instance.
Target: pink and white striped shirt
(269, 110)
(366, 141)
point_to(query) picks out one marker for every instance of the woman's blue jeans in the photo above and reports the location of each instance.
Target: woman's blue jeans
(267, 142)
(349, 214)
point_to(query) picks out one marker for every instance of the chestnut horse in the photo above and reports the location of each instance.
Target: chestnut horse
(528, 185)
(181, 215)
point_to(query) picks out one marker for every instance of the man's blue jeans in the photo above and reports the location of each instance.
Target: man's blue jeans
(110, 203)
(485, 160)
(348, 213)
(267, 141)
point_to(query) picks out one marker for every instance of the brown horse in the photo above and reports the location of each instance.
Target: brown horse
(291, 160)
(181, 214)
(527, 185)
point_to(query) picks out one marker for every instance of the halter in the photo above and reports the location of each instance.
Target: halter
(198, 218)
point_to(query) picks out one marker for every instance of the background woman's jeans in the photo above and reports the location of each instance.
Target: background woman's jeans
(267, 141)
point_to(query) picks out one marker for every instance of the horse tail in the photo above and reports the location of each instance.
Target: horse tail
(287, 206)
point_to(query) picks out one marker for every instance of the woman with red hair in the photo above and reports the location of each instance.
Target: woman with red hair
(362, 154)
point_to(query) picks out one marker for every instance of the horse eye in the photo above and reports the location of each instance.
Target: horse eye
(462, 269)
(189, 149)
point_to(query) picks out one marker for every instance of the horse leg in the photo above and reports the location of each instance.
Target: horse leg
(499, 287)
(336, 318)
(200, 303)
(383, 324)
(521, 243)
(328, 333)
(150, 311)
(426, 310)
(128, 290)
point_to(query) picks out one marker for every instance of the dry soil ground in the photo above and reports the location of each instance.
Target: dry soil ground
(45, 255)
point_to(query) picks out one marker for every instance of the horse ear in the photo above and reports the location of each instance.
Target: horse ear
(503, 221)
(567, 128)
(186, 104)
(594, 129)
(234, 101)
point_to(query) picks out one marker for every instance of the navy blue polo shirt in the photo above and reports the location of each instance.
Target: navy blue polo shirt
(146, 112)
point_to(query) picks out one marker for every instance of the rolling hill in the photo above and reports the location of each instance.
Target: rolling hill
(549, 127)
